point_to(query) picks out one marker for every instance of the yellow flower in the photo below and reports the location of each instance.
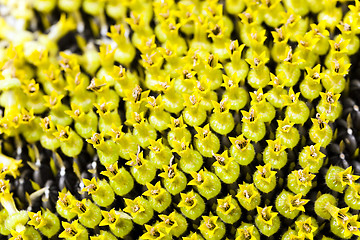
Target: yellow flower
(258, 60)
(285, 125)
(136, 95)
(116, 132)
(319, 30)
(216, 30)
(347, 178)
(177, 123)
(257, 39)
(203, 133)
(209, 225)
(212, 62)
(214, 11)
(117, 33)
(148, 49)
(188, 200)
(154, 191)
(18, 235)
(62, 133)
(111, 170)
(54, 100)
(80, 207)
(306, 42)
(170, 27)
(65, 199)
(314, 73)
(352, 226)
(47, 125)
(170, 172)
(36, 220)
(39, 57)
(97, 139)
(52, 73)
(222, 107)
(289, 18)
(203, 86)
(76, 112)
(26, 116)
(247, 192)
(98, 85)
(192, 60)
(137, 160)
(320, 121)
(192, 100)
(152, 60)
(104, 108)
(112, 217)
(339, 68)
(181, 146)
(69, 63)
(185, 12)
(71, 230)
(30, 87)
(91, 186)
(155, 103)
(77, 84)
(223, 160)
(249, 17)
(154, 232)
(133, 207)
(249, 117)
(9, 165)
(192, 236)
(225, 205)
(296, 203)
(291, 98)
(232, 82)
(119, 73)
(164, 9)
(266, 215)
(234, 49)
(265, 173)
(257, 96)
(341, 215)
(136, 22)
(314, 153)
(303, 177)
(198, 178)
(280, 35)
(275, 146)
(240, 142)
(246, 234)
(168, 222)
(10, 122)
(156, 146)
(106, 54)
(4, 188)
(137, 119)
(306, 228)
(339, 45)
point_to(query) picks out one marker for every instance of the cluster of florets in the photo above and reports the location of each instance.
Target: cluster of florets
(175, 119)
